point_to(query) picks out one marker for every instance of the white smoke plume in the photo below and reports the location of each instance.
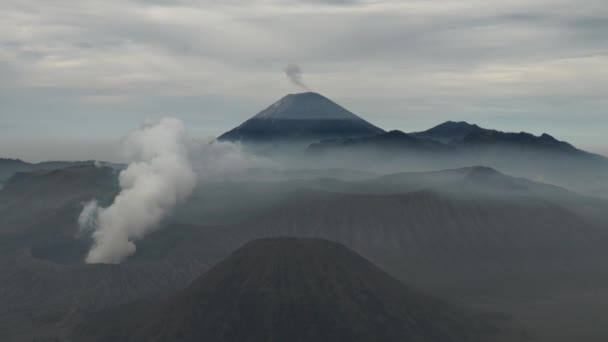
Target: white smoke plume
(159, 176)
(294, 73)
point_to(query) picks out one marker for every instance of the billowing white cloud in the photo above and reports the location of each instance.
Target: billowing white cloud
(165, 165)
(159, 176)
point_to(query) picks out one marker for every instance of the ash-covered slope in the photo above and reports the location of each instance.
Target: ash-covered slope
(52, 198)
(301, 117)
(287, 289)
(9, 167)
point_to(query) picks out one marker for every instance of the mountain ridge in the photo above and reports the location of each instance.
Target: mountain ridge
(448, 131)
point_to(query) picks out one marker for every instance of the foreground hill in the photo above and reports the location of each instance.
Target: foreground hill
(289, 290)
(304, 117)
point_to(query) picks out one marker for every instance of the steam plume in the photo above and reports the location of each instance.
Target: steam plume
(159, 176)
(294, 73)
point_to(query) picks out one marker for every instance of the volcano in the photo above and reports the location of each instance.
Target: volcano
(289, 289)
(302, 117)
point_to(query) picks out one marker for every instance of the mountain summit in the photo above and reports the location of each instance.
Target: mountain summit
(449, 131)
(301, 117)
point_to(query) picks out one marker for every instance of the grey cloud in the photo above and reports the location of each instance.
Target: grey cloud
(463, 39)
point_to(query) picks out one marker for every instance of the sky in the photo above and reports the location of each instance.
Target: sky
(75, 76)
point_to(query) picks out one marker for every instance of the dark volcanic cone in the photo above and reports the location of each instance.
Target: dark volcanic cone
(289, 289)
(301, 117)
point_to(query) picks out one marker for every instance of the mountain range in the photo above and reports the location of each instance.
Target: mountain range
(337, 138)
(457, 137)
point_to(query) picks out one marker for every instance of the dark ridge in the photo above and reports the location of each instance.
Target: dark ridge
(11, 160)
(521, 139)
(471, 134)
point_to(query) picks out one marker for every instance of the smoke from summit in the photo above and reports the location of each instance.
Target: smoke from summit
(165, 166)
(159, 176)
(294, 73)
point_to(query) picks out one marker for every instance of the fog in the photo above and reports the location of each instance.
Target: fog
(585, 174)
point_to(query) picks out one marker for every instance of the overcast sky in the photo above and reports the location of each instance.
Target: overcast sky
(75, 75)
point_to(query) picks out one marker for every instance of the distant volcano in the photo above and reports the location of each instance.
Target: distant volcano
(289, 289)
(303, 117)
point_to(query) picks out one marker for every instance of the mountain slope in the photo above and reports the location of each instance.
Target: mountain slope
(289, 289)
(301, 117)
